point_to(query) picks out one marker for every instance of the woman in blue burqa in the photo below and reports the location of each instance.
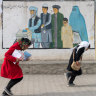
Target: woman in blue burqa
(77, 22)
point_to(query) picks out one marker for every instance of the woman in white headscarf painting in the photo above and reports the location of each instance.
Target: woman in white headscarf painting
(76, 56)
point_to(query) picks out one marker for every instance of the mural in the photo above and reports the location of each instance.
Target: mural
(46, 27)
(95, 32)
(57, 23)
(0, 13)
(77, 21)
(52, 24)
(34, 26)
(66, 34)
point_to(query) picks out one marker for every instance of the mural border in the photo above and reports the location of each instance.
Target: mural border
(51, 0)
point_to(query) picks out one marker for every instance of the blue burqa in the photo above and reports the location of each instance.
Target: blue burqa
(77, 22)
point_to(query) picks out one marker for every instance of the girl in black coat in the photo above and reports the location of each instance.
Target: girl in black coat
(78, 52)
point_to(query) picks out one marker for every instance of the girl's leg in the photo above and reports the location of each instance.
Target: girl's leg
(11, 83)
(68, 75)
(73, 75)
(72, 79)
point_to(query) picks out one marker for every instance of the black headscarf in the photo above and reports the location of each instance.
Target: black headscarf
(24, 42)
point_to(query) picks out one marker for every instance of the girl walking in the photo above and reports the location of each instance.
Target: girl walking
(78, 52)
(11, 70)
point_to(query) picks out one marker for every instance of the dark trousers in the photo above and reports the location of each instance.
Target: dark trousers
(73, 75)
(11, 83)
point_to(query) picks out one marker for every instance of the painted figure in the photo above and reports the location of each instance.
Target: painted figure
(35, 26)
(57, 23)
(77, 22)
(46, 27)
(66, 34)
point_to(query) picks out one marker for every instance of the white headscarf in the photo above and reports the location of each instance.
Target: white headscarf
(84, 44)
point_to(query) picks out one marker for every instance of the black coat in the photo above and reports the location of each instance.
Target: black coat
(77, 56)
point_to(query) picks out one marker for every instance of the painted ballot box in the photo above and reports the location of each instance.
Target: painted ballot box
(25, 34)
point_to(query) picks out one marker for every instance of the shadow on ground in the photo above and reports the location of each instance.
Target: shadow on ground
(88, 85)
(83, 93)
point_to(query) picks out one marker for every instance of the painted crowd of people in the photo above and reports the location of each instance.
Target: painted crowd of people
(54, 30)
(46, 29)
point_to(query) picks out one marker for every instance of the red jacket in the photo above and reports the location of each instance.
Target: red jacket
(8, 68)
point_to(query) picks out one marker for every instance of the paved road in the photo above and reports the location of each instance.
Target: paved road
(52, 85)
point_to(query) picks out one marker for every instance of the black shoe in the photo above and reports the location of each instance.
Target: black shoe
(8, 92)
(5, 94)
(71, 84)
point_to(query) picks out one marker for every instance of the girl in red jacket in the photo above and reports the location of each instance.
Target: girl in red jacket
(11, 70)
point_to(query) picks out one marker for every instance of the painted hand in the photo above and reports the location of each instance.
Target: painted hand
(42, 25)
(27, 28)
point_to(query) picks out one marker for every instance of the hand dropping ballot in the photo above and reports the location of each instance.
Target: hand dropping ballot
(19, 54)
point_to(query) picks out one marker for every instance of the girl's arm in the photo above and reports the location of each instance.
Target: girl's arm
(9, 56)
(79, 53)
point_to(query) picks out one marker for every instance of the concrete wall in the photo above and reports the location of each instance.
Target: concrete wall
(95, 28)
(16, 15)
(40, 54)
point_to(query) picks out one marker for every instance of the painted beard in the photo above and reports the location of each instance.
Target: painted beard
(32, 15)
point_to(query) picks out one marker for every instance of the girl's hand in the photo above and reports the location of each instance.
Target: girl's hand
(28, 59)
(18, 59)
(78, 64)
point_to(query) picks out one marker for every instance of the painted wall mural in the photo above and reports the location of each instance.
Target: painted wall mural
(48, 24)
(78, 24)
(95, 33)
